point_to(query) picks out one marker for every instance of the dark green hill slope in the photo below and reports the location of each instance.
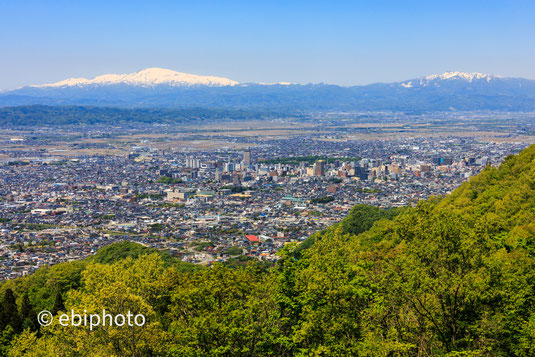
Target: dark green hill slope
(360, 219)
(501, 202)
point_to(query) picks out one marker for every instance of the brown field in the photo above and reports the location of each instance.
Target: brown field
(211, 136)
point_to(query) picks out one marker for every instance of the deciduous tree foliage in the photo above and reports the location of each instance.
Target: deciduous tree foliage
(453, 276)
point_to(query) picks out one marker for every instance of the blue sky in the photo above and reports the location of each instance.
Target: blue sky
(340, 42)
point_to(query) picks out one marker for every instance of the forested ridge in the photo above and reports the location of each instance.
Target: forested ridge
(36, 115)
(453, 276)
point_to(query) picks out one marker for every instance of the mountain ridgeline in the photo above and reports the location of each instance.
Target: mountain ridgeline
(453, 276)
(156, 87)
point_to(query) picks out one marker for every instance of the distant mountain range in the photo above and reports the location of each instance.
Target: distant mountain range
(163, 88)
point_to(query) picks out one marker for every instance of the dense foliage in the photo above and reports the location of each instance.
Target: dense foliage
(118, 251)
(168, 180)
(321, 200)
(360, 219)
(451, 277)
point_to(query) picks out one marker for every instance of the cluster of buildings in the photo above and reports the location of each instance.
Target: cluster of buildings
(214, 205)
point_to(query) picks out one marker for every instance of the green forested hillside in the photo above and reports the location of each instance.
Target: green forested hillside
(451, 277)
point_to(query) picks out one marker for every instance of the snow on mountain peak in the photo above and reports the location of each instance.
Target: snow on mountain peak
(147, 78)
(435, 79)
(460, 75)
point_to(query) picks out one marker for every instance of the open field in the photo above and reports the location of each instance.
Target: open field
(72, 142)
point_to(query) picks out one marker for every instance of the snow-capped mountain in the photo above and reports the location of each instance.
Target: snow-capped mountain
(156, 87)
(436, 79)
(149, 77)
(462, 75)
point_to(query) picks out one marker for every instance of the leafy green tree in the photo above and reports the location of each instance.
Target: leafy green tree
(7, 335)
(28, 315)
(222, 312)
(234, 250)
(9, 315)
(58, 304)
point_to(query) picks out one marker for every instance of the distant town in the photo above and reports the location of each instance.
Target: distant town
(63, 196)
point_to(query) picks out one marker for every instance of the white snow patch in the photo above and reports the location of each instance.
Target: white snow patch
(459, 75)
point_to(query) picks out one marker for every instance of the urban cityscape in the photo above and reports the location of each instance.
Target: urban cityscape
(218, 195)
